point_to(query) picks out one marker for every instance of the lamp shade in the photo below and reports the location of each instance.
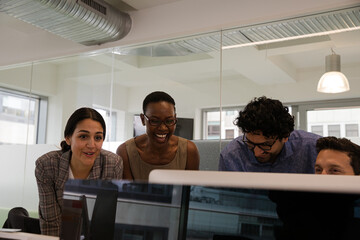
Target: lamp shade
(333, 81)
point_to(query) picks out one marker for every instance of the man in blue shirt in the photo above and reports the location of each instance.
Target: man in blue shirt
(269, 143)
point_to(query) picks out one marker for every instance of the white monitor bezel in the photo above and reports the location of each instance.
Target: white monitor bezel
(252, 180)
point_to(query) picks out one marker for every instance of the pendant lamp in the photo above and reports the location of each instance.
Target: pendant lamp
(333, 81)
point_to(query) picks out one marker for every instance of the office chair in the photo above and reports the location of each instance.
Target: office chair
(18, 218)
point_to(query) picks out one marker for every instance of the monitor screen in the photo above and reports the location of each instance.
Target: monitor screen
(141, 209)
(75, 219)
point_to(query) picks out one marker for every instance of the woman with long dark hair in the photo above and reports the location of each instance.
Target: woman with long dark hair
(81, 157)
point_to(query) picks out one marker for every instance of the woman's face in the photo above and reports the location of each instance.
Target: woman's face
(86, 142)
(159, 120)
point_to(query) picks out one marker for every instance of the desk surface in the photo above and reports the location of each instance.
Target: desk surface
(25, 236)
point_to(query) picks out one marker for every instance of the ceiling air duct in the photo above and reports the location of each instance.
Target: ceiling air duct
(88, 22)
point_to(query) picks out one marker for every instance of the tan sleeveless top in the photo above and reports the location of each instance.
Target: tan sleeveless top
(140, 169)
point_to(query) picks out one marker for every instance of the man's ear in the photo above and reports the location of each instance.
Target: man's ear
(142, 119)
(284, 140)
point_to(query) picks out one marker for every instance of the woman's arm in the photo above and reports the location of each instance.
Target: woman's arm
(49, 208)
(193, 158)
(119, 168)
(121, 151)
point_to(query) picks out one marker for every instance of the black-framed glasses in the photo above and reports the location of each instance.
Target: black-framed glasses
(263, 146)
(156, 122)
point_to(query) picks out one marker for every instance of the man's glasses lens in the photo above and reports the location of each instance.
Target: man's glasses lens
(263, 147)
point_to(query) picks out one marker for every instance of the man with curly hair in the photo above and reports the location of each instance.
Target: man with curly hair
(269, 142)
(338, 156)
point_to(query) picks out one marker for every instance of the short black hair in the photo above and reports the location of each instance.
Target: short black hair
(266, 115)
(342, 145)
(79, 115)
(157, 96)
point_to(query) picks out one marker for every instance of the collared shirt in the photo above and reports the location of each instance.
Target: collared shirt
(297, 156)
(52, 171)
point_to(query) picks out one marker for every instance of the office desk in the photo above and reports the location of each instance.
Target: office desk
(25, 236)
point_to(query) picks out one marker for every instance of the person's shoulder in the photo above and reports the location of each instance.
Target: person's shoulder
(184, 140)
(110, 158)
(189, 144)
(233, 145)
(50, 156)
(235, 142)
(301, 134)
(122, 147)
(108, 154)
(50, 161)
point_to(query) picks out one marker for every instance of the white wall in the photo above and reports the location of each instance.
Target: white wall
(17, 179)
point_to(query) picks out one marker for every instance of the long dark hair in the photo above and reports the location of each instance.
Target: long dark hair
(79, 115)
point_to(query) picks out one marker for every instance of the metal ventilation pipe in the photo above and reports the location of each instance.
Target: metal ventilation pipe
(88, 22)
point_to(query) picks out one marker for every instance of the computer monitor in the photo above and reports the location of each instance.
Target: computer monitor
(103, 218)
(219, 205)
(282, 206)
(124, 209)
(75, 220)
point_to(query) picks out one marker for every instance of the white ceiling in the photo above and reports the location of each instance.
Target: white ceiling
(279, 62)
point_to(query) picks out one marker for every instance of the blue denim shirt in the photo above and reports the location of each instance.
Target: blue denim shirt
(297, 156)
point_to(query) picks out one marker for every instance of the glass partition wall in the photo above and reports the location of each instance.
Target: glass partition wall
(210, 76)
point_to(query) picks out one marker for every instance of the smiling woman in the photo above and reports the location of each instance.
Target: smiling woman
(81, 157)
(158, 148)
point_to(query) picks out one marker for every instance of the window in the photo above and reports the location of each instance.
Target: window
(339, 118)
(224, 127)
(212, 127)
(352, 130)
(335, 121)
(110, 122)
(229, 133)
(334, 130)
(213, 130)
(317, 129)
(21, 121)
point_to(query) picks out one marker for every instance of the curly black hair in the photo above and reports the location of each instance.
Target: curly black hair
(266, 115)
(342, 145)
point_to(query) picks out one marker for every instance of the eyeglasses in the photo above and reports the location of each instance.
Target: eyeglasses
(263, 146)
(156, 122)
